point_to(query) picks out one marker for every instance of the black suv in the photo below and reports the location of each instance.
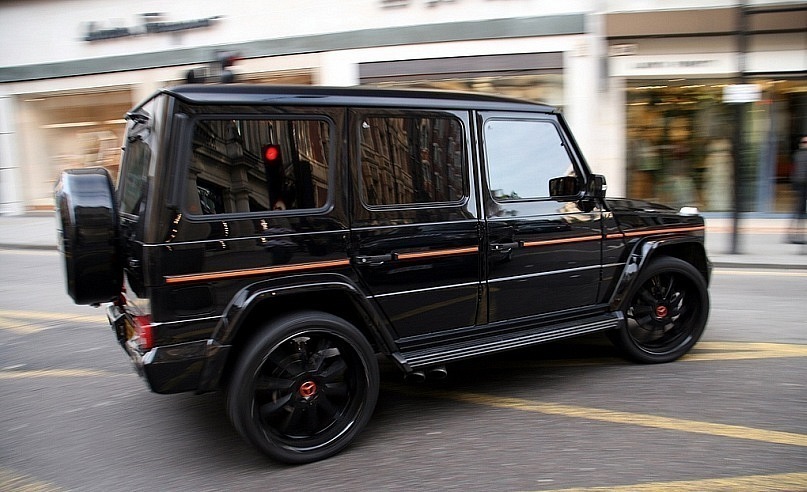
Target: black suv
(272, 241)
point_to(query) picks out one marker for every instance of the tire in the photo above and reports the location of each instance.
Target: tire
(665, 312)
(88, 235)
(304, 388)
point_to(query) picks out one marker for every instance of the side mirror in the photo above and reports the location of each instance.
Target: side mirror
(565, 186)
(596, 187)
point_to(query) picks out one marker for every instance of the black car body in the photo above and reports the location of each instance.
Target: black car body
(270, 240)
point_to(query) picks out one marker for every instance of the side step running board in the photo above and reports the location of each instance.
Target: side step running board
(505, 341)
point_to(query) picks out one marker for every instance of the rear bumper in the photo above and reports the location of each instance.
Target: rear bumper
(190, 366)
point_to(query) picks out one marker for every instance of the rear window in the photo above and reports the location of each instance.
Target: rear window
(258, 165)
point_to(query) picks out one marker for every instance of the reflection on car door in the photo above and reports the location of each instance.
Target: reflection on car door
(415, 228)
(544, 255)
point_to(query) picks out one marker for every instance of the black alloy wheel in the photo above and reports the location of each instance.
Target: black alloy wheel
(665, 313)
(305, 388)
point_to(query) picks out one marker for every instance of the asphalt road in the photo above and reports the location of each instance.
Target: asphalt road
(729, 416)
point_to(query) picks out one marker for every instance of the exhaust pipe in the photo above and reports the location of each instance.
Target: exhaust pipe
(439, 372)
(416, 376)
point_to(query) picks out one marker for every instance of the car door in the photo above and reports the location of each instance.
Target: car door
(415, 226)
(543, 254)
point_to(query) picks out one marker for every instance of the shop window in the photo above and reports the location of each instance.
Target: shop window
(680, 137)
(65, 131)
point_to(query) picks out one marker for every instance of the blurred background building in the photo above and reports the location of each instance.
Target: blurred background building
(649, 87)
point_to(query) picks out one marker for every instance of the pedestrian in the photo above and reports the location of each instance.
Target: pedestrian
(799, 181)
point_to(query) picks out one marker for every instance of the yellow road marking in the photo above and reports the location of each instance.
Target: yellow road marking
(45, 316)
(614, 416)
(780, 482)
(51, 373)
(703, 351)
(29, 322)
(744, 350)
(14, 482)
(760, 272)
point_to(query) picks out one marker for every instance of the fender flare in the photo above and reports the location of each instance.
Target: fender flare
(642, 252)
(248, 298)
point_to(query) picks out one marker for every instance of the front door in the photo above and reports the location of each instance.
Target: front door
(544, 255)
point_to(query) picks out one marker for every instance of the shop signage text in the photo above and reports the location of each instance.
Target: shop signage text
(674, 65)
(655, 65)
(150, 25)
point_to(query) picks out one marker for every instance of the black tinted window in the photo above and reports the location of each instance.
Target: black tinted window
(134, 178)
(411, 160)
(254, 165)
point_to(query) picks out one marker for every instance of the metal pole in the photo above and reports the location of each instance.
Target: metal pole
(739, 137)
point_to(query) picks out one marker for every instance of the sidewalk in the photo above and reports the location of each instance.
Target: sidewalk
(761, 240)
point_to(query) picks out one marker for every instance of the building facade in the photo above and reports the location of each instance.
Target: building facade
(642, 85)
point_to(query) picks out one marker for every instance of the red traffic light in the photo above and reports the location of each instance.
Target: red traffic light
(271, 154)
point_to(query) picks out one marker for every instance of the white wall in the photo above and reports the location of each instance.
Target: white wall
(33, 32)
(11, 200)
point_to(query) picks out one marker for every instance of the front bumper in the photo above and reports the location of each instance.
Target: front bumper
(170, 368)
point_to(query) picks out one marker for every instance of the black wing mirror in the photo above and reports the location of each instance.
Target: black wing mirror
(567, 189)
(596, 187)
(564, 187)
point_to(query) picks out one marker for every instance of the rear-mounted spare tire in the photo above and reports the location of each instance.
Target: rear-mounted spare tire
(88, 235)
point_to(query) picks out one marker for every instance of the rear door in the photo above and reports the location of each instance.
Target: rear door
(415, 226)
(543, 254)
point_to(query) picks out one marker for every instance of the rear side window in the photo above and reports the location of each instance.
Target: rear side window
(409, 160)
(142, 132)
(258, 165)
(134, 179)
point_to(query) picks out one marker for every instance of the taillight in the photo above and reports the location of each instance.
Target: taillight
(144, 331)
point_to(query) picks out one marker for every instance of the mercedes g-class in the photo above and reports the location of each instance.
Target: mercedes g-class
(272, 242)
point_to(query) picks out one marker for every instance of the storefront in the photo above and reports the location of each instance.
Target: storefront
(682, 123)
(680, 137)
(64, 107)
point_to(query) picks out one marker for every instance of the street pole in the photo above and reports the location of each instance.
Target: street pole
(739, 136)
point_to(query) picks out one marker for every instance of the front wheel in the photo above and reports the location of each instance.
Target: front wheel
(305, 387)
(665, 312)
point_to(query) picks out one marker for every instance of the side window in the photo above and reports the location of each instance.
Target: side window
(256, 165)
(410, 160)
(134, 178)
(522, 156)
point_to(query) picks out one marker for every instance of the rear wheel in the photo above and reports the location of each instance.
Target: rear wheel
(665, 312)
(305, 387)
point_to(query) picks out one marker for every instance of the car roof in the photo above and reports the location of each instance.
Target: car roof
(363, 96)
